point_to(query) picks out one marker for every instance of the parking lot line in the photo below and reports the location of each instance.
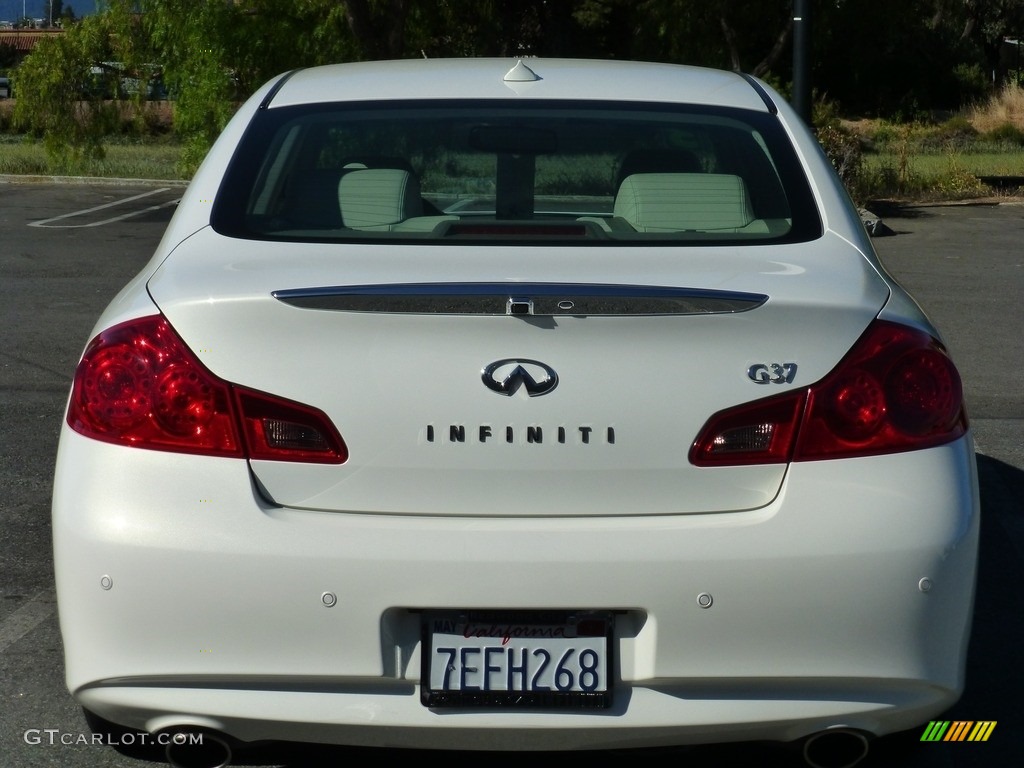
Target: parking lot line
(85, 211)
(40, 607)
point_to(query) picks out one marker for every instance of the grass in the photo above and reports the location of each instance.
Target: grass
(932, 176)
(130, 154)
(137, 159)
(934, 166)
(1003, 108)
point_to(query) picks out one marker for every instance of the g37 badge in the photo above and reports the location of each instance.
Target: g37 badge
(772, 373)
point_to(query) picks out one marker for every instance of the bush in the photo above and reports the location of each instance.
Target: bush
(972, 82)
(957, 133)
(884, 133)
(1007, 133)
(843, 148)
(957, 184)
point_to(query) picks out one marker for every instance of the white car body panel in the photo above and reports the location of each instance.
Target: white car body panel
(482, 78)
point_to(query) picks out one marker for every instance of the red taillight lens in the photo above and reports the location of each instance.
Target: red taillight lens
(896, 390)
(139, 385)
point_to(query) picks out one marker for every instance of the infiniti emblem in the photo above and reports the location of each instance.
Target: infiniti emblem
(506, 377)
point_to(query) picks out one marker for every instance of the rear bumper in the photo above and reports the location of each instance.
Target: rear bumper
(389, 714)
(185, 600)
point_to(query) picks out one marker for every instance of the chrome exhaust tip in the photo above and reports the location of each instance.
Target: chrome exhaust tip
(196, 748)
(835, 748)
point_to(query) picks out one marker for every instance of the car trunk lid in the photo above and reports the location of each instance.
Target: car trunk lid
(480, 389)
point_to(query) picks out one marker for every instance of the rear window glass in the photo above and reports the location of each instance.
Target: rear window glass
(531, 172)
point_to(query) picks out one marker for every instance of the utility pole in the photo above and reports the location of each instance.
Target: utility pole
(801, 58)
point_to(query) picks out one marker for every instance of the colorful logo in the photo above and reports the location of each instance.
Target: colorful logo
(958, 730)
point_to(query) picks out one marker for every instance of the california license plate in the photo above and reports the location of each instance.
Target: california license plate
(538, 659)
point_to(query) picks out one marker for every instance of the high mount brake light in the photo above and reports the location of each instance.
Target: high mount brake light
(896, 390)
(139, 385)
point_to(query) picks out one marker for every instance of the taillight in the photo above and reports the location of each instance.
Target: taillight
(896, 390)
(139, 385)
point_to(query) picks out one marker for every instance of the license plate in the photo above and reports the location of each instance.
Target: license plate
(517, 659)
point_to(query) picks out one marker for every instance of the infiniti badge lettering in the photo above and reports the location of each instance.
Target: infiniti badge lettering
(506, 377)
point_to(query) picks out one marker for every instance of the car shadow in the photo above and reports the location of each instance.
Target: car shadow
(895, 209)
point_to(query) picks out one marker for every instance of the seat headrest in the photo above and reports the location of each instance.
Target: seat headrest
(371, 197)
(672, 202)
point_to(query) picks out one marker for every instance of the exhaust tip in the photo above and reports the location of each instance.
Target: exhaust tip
(193, 748)
(835, 748)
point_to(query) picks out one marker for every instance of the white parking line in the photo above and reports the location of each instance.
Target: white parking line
(86, 211)
(38, 609)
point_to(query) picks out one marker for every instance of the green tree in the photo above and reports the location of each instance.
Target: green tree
(742, 35)
(50, 85)
(986, 24)
(211, 54)
(878, 57)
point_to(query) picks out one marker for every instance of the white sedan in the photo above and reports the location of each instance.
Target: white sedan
(515, 405)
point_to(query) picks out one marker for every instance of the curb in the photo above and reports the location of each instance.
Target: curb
(11, 178)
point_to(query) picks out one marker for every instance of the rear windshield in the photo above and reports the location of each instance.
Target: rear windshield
(529, 172)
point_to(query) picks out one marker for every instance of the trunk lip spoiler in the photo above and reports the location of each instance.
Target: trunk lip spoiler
(521, 299)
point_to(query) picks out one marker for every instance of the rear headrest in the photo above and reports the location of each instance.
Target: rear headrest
(671, 202)
(371, 197)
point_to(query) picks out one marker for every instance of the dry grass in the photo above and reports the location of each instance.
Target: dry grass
(1003, 108)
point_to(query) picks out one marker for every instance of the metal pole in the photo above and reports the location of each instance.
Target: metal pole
(801, 57)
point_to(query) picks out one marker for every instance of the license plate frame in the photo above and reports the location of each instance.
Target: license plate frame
(528, 659)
